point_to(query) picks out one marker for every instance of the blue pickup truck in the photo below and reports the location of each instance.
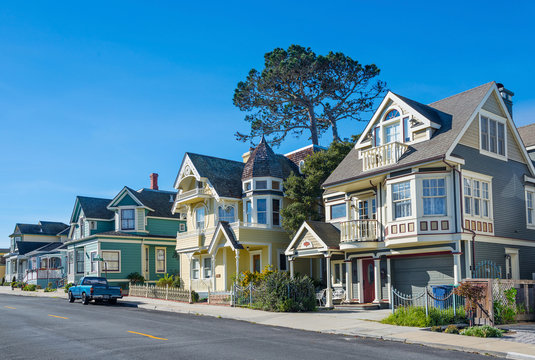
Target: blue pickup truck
(94, 288)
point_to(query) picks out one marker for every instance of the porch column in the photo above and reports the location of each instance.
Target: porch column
(237, 264)
(456, 268)
(377, 279)
(349, 281)
(291, 267)
(213, 272)
(360, 294)
(389, 280)
(329, 295)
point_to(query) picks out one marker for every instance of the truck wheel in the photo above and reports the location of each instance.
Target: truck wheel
(112, 301)
(71, 297)
(85, 299)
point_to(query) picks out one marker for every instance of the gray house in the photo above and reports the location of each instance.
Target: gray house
(430, 194)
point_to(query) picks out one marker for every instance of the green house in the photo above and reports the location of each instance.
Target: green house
(135, 232)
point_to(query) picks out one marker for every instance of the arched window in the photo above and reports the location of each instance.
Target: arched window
(392, 114)
(226, 213)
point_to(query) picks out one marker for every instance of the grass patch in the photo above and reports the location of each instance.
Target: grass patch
(415, 316)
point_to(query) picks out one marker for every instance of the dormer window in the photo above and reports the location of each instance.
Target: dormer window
(493, 136)
(392, 133)
(393, 128)
(127, 219)
(247, 186)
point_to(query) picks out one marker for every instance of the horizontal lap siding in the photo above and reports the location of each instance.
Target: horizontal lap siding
(412, 275)
(163, 227)
(87, 257)
(496, 253)
(130, 258)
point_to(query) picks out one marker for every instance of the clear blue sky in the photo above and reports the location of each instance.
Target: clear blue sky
(96, 97)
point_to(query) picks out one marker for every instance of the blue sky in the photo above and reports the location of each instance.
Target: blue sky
(96, 97)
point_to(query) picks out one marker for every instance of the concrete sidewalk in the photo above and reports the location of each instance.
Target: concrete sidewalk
(362, 323)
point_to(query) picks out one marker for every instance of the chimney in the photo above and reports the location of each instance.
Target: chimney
(246, 155)
(154, 181)
(507, 96)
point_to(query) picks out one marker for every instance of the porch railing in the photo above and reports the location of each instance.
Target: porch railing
(191, 193)
(358, 230)
(383, 155)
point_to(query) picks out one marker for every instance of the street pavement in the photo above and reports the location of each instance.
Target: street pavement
(52, 328)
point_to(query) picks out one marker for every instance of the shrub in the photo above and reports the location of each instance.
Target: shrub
(451, 329)
(482, 331)
(436, 328)
(194, 296)
(49, 289)
(415, 316)
(30, 287)
(277, 291)
(136, 278)
(505, 313)
(167, 280)
(247, 277)
(69, 285)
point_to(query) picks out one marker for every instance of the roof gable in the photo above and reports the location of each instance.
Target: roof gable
(315, 235)
(92, 208)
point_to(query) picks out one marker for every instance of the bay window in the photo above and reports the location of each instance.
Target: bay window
(261, 211)
(434, 196)
(401, 198)
(275, 211)
(249, 211)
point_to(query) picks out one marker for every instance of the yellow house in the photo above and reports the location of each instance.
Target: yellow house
(3, 263)
(233, 215)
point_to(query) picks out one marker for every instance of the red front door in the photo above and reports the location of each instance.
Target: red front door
(368, 281)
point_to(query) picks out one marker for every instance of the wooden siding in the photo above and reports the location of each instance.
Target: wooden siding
(492, 104)
(412, 275)
(307, 236)
(140, 219)
(127, 201)
(130, 258)
(163, 227)
(514, 152)
(496, 253)
(87, 257)
(471, 136)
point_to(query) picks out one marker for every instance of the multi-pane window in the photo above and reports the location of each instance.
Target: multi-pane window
(82, 228)
(160, 260)
(434, 196)
(401, 198)
(261, 184)
(94, 262)
(80, 261)
(207, 268)
(492, 136)
(261, 211)
(199, 218)
(530, 214)
(366, 209)
(476, 197)
(249, 211)
(70, 260)
(226, 213)
(338, 211)
(111, 260)
(195, 268)
(127, 219)
(276, 208)
(340, 273)
(392, 133)
(275, 185)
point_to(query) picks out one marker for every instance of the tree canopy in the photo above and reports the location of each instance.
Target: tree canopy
(299, 91)
(305, 191)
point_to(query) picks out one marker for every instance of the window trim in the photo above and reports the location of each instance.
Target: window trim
(204, 220)
(278, 212)
(156, 260)
(93, 262)
(193, 260)
(225, 207)
(182, 227)
(258, 212)
(341, 218)
(466, 174)
(342, 264)
(445, 196)
(410, 198)
(133, 209)
(105, 267)
(76, 261)
(287, 263)
(498, 119)
(204, 268)
(530, 190)
(251, 259)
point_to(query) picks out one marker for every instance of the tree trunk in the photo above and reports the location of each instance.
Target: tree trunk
(334, 127)
(313, 126)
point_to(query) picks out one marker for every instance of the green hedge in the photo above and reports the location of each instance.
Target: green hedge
(277, 291)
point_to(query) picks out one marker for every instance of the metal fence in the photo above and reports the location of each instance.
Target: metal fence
(159, 292)
(249, 295)
(487, 269)
(427, 300)
(243, 296)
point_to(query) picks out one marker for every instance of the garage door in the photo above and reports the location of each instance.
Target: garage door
(412, 274)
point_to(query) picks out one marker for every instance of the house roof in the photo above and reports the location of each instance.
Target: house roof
(527, 133)
(125, 234)
(229, 234)
(264, 162)
(95, 208)
(27, 246)
(224, 175)
(50, 247)
(452, 113)
(159, 201)
(41, 228)
(64, 232)
(327, 232)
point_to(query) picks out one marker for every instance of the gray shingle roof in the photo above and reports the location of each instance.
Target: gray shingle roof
(452, 113)
(125, 234)
(327, 232)
(224, 175)
(27, 246)
(95, 208)
(42, 228)
(264, 162)
(50, 247)
(225, 226)
(527, 133)
(158, 200)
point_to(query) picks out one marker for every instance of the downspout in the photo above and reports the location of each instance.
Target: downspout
(473, 244)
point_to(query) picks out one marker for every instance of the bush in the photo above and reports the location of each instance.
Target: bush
(452, 329)
(505, 313)
(68, 286)
(277, 291)
(194, 296)
(49, 289)
(415, 316)
(30, 287)
(482, 331)
(168, 280)
(136, 278)
(436, 328)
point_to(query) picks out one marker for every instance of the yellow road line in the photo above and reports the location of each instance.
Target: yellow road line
(9, 307)
(150, 336)
(59, 317)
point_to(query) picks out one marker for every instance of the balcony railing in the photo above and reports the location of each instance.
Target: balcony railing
(383, 155)
(191, 194)
(358, 230)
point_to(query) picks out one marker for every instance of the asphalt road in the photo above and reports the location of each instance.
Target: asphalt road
(50, 328)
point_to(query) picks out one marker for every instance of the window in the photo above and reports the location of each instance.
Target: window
(401, 197)
(338, 211)
(182, 227)
(275, 185)
(94, 262)
(261, 211)
(207, 268)
(530, 214)
(160, 260)
(226, 213)
(79, 261)
(247, 186)
(199, 218)
(256, 263)
(377, 136)
(71, 262)
(261, 184)
(339, 273)
(392, 133)
(391, 115)
(301, 164)
(364, 209)
(434, 196)
(82, 227)
(406, 136)
(111, 260)
(249, 211)
(276, 208)
(476, 197)
(195, 268)
(127, 219)
(492, 136)
(93, 225)
(282, 262)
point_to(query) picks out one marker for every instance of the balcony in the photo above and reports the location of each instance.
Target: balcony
(383, 155)
(192, 194)
(358, 230)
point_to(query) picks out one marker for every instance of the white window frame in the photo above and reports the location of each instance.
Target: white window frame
(251, 259)
(76, 261)
(94, 263)
(445, 196)
(469, 175)
(249, 211)
(342, 266)
(514, 268)
(248, 185)
(265, 212)
(224, 207)
(342, 218)
(498, 119)
(261, 181)
(196, 220)
(105, 267)
(530, 192)
(194, 269)
(278, 182)
(204, 268)
(273, 212)
(156, 270)
(410, 199)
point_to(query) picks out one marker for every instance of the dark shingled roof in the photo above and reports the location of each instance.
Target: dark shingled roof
(264, 162)
(454, 112)
(64, 232)
(158, 200)
(527, 133)
(224, 175)
(42, 228)
(50, 247)
(327, 232)
(225, 226)
(118, 233)
(27, 246)
(95, 208)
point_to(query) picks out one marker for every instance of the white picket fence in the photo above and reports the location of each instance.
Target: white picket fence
(158, 292)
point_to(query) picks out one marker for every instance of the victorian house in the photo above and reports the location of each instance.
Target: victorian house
(233, 215)
(430, 194)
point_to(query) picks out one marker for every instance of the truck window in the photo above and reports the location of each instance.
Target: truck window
(95, 281)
